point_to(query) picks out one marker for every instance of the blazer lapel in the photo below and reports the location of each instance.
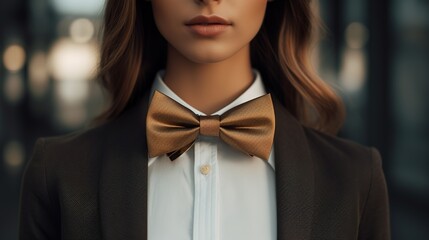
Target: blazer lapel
(123, 176)
(294, 177)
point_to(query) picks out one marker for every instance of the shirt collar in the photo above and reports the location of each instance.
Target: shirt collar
(255, 90)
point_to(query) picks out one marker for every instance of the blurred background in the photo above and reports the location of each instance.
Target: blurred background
(375, 54)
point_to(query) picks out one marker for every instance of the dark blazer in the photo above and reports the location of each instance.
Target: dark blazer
(92, 184)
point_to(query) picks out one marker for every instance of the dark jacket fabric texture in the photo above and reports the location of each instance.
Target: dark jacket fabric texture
(92, 183)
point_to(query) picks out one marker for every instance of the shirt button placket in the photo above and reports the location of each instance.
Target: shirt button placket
(205, 201)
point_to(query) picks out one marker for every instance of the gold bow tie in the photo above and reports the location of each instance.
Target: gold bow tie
(172, 128)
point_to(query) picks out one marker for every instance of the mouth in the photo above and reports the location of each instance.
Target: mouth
(208, 26)
(208, 20)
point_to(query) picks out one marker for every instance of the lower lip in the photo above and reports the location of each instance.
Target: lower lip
(209, 30)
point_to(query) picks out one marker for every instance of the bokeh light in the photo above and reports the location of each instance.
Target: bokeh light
(71, 91)
(356, 35)
(82, 30)
(13, 87)
(38, 73)
(70, 116)
(353, 70)
(14, 57)
(73, 61)
(13, 155)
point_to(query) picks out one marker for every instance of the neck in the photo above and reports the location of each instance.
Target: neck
(208, 86)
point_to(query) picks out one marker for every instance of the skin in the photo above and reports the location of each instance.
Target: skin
(208, 72)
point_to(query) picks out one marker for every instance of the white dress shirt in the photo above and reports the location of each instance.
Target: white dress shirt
(212, 191)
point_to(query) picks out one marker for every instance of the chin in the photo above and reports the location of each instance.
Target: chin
(206, 59)
(208, 56)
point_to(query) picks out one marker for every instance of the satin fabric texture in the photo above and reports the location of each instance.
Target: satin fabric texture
(172, 128)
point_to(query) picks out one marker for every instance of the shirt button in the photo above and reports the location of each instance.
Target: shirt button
(205, 169)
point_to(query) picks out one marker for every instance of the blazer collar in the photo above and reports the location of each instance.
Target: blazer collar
(123, 177)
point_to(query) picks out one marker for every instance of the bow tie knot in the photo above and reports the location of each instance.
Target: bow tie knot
(210, 125)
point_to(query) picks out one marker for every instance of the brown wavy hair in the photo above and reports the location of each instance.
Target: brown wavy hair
(133, 50)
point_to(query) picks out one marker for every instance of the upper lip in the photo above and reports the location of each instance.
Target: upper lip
(213, 19)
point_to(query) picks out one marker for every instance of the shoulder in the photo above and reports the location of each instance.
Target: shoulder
(352, 174)
(72, 142)
(79, 149)
(349, 182)
(72, 160)
(62, 165)
(341, 149)
(338, 161)
(90, 142)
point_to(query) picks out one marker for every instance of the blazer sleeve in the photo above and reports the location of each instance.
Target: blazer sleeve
(37, 219)
(375, 219)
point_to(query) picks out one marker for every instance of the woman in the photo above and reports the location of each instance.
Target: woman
(218, 129)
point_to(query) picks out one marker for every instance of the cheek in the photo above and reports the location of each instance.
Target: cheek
(251, 17)
(166, 17)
